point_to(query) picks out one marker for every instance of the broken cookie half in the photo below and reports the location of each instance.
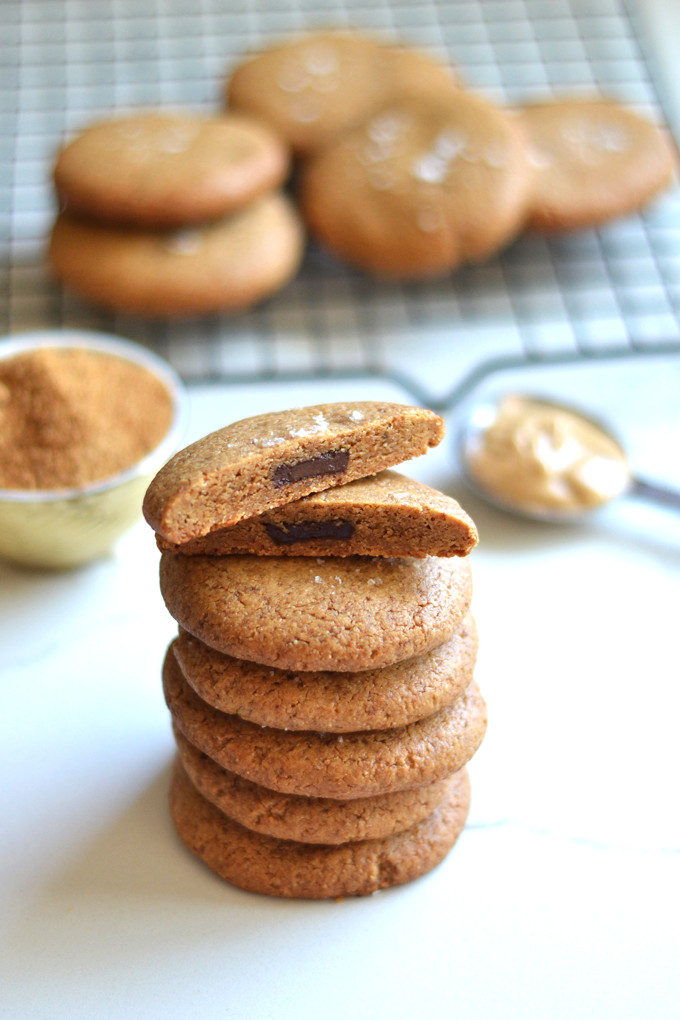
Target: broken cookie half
(261, 463)
(386, 514)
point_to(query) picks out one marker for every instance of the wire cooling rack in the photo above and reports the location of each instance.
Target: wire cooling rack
(607, 293)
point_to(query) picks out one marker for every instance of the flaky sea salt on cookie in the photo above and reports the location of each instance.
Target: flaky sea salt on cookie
(386, 514)
(420, 187)
(592, 160)
(314, 87)
(269, 460)
(337, 613)
(165, 170)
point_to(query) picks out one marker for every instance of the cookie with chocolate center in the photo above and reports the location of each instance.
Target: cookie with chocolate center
(260, 463)
(387, 514)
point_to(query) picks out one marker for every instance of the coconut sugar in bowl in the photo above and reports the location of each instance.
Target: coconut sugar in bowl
(86, 421)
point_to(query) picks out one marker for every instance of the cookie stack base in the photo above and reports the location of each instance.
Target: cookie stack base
(277, 867)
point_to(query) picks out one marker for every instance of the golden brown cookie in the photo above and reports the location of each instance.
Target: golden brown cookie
(312, 88)
(308, 819)
(339, 613)
(278, 867)
(326, 701)
(168, 170)
(223, 266)
(341, 765)
(592, 160)
(420, 187)
(259, 463)
(386, 514)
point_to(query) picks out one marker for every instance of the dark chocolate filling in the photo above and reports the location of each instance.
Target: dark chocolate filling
(330, 463)
(306, 531)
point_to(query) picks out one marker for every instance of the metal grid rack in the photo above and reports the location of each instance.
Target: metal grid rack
(607, 293)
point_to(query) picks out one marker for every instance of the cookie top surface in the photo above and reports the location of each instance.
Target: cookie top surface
(300, 613)
(165, 170)
(420, 187)
(276, 867)
(336, 765)
(226, 265)
(330, 701)
(313, 88)
(592, 160)
(386, 514)
(259, 463)
(308, 819)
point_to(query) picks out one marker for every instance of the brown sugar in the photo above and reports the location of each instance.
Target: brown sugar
(70, 416)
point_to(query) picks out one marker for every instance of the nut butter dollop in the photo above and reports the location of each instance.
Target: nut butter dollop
(541, 458)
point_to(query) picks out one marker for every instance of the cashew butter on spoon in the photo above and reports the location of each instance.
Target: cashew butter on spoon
(546, 461)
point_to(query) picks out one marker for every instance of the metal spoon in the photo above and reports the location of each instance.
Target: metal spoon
(547, 461)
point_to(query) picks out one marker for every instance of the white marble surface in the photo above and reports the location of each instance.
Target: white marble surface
(561, 899)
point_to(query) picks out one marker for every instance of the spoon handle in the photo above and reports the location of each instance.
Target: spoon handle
(656, 493)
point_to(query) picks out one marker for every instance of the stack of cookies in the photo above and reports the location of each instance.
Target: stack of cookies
(321, 686)
(169, 214)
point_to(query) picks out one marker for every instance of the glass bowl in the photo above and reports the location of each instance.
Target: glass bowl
(61, 528)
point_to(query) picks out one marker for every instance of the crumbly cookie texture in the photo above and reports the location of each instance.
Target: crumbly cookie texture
(331, 702)
(225, 265)
(287, 868)
(592, 160)
(339, 766)
(344, 614)
(260, 463)
(307, 819)
(314, 87)
(420, 187)
(386, 514)
(167, 170)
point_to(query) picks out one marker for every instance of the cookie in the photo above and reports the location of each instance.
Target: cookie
(168, 170)
(300, 613)
(386, 514)
(593, 159)
(331, 702)
(313, 88)
(339, 766)
(420, 187)
(259, 463)
(308, 819)
(277, 867)
(227, 265)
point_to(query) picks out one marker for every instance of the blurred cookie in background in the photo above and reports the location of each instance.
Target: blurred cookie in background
(227, 265)
(593, 160)
(313, 88)
(420, 187)
(163, 170)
